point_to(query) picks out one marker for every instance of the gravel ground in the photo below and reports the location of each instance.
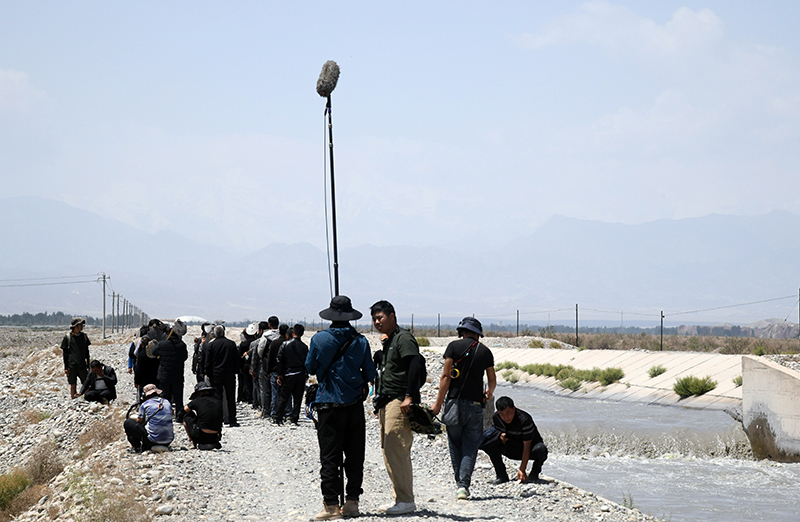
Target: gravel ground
(262, 472)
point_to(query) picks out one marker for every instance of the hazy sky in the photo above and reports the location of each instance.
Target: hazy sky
(452, 120)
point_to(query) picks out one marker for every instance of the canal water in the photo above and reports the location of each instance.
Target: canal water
(677, 463)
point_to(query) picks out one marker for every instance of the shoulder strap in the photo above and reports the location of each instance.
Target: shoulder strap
(340, 353)
(475, 345)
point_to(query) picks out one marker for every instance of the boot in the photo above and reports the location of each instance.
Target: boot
(350, 508)
(329, 512)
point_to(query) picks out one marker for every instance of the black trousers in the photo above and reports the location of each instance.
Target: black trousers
(256, 388)
(341, 433)
(293, 386)
(512, 449)
(225, 385)
(173, 392)
(137, 435)
(244, 393)
(98, 396)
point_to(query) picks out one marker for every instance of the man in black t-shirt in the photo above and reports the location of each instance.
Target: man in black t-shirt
(514, 434)
(461, 383)
(203, 419)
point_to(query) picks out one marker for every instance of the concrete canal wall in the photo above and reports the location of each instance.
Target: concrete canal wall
(636, 385)
(771, 409)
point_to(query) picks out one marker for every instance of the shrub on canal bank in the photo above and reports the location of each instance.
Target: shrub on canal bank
(656, 370)
(566, 374)
(691, 385)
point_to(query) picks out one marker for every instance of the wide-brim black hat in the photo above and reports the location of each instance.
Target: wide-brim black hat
(341, 309)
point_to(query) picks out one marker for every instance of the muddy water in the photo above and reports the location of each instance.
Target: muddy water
(677, 463)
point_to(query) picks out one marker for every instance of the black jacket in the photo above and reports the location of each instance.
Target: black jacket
(110, 378)
(222, 358)
(291, 357)
(172, 354)
(145, 371)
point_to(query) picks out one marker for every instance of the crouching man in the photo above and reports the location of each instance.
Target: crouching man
(153, 427)
(101, 384)
(514, 434)
(203, 418)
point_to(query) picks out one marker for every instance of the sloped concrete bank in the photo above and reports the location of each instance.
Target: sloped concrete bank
(636, 385)
(770, 409)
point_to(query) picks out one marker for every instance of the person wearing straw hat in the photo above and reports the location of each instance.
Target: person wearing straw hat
(153, 427)
(75, 349)
(341, 360)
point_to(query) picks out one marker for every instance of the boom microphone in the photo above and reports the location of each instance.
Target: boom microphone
(328, 78)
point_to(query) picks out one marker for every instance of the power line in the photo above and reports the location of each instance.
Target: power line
(45, 278)
(733, 306)
(49, 284)
(790, 311)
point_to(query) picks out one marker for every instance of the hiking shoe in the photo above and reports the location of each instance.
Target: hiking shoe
(462, 494)
(329, 512)
(350, 508)
(401, 508)
(499, 480)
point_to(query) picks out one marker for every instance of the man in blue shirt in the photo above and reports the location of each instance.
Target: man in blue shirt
(153, 427)
(341, 359)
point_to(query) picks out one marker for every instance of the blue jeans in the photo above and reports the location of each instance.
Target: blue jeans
(276, 392)
(464, 440)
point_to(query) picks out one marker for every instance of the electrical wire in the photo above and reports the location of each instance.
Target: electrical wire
(732, 306)
(45, 278)
(790, 311)
(49, 284)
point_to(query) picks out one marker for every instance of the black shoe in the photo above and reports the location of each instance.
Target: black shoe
(234, 425)
(532, 479)
(499, 480)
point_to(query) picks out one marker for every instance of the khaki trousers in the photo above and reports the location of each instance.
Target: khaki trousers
(396, 439)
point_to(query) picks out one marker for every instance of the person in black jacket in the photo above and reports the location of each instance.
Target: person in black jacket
(101, 384)
(244, 392)
(146, 369)
(172, 355)
(222, 363)
(291, 369)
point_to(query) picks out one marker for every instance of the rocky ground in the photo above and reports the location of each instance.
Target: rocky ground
(84, 471)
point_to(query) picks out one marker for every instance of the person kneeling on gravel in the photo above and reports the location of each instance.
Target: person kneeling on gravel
(101, 384)
(203, 418)
(153, 427)
(514, 434)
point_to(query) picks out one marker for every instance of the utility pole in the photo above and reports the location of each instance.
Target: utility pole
(119, 322)
(412, 324)
(113, 296)
(438, 325)
(104, 277)
(576, 325)
(517, 323)
(662, 330)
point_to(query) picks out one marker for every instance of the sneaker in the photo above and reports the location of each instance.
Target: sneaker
(350, 508)
(331, 512)
(462, 494)
(234, 425)
(401, 508)
(499, 480)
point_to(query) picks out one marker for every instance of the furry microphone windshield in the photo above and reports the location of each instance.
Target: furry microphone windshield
(328, 78)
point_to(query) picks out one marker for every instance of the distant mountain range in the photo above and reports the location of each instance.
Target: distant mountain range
(612, 271)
